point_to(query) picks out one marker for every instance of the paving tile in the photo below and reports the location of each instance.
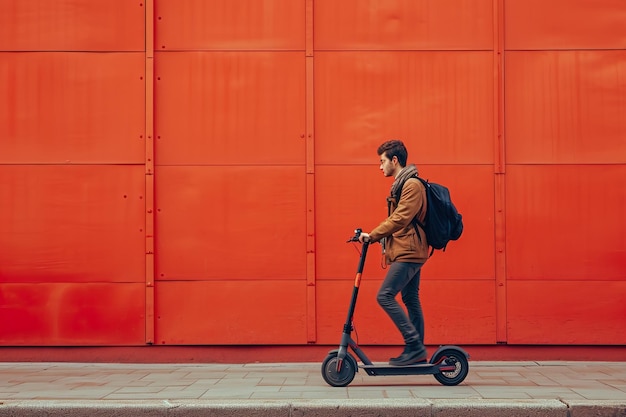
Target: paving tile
(551, 393)
(495, 392)
(143, 390)
(398, 393)
(607, 393)
(273, 380)
(276, 395)
(332, 395)
(437, 392)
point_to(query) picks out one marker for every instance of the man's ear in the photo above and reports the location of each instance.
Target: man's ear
(395, 160)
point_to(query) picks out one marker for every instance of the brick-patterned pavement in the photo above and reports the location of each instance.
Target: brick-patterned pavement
(279, 381)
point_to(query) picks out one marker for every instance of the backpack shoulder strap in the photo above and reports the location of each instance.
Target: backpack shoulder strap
(415, 222)
(426, 188)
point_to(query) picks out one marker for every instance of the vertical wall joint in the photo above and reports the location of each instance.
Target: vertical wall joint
(499, 173)
(149, 169)
(309, 138)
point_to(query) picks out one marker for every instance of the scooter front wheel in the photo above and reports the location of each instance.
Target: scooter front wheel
(341, 377)
(461, 367)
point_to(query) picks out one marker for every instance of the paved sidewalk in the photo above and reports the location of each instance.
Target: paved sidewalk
(288, 389)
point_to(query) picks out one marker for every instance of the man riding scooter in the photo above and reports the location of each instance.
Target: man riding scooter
(406, 249)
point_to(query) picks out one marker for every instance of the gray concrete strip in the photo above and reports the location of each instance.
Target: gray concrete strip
(299, 408)
(230, 408)
(362, 408)
(314, 408)
(64, 408)
(499, 408)
(139, 408)
(596, 408)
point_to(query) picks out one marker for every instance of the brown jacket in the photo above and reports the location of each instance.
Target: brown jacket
(402, 243)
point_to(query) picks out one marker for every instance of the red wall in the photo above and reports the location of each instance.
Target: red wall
(186, 172)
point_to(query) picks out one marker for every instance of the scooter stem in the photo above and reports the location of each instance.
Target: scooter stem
(347, 327)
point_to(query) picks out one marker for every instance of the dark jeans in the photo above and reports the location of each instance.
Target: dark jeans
(404, 277)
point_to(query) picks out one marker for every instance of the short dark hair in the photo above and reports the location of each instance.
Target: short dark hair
(395, 148)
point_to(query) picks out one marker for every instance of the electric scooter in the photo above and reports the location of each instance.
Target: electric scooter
(449, 364)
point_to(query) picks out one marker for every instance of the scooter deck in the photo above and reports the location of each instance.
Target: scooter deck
(424, 368)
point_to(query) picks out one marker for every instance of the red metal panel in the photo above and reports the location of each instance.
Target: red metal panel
(71, 25)
(227, 312)
(228, 25)
(566, 107)
(565, 24)
(566, 223)
(72, 107)
(245, 222)
(354, 196)
(71, 223)
(567, 312)
(450, 309)
(403, 24)
(230, 108)
(442, 101)
(63, 314)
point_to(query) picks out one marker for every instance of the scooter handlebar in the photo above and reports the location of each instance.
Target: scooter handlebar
(357, 234)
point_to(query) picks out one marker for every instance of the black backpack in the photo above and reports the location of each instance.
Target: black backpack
(442, 222)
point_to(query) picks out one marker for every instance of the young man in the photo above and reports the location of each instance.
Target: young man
(405, 250)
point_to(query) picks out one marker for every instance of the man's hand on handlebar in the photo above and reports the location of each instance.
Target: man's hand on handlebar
(359, 236)
(364, 237)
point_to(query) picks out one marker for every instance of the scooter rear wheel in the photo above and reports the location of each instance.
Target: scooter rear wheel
(346, 372)
(459, 360)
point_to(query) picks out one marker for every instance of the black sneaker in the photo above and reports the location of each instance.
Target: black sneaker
(413, 353)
